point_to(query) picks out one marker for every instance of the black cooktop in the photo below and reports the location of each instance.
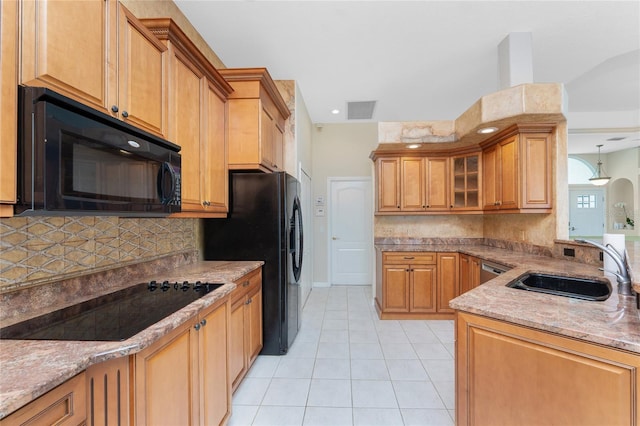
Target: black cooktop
(112, 317)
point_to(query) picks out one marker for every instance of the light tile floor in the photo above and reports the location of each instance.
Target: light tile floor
(347, 367)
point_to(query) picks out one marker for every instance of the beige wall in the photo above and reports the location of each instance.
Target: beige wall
(304, 133)
(337, 150)
(538, 229)
(624, 186)
(450, 226)
(624, 169)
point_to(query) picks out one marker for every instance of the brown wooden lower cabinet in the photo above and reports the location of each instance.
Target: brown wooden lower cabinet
(64, 405)
(108, 389)
(447, 281)
(469, 272)
(214, 383)
(182, 378)
(416, 285)
(513, 375)
(245, 336)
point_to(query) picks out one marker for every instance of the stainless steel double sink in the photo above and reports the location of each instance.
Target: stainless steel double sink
(578, 288)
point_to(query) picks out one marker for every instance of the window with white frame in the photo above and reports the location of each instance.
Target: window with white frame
(586, 201)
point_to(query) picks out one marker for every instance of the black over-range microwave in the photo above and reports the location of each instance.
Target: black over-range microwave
(74, 160)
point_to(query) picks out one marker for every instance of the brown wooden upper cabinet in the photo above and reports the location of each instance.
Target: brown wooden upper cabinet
(466, 180)
(509, 173)
(420, 184)
(517, 171)
(97, 53)
(198, 114)
(424, 184)
(256, 124)
(388, 184)
(8, 110)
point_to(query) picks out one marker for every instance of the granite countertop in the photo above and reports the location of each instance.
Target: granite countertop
(614, 322)
(31, 368)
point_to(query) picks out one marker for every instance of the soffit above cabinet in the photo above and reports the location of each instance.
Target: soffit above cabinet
(520, 105)
(167, 29)
(264, 82)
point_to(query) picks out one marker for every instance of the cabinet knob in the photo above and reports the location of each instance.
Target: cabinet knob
(125, 114)
(424, 207)
(114, 108)
(409, 257)
(428, 206)
(407, 270)
(197, 326)
(398, 206)
(206, 203)
(203, 322)
(245, 284)
(247, 302)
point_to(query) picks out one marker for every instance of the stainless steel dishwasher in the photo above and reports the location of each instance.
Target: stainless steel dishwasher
(490, 270)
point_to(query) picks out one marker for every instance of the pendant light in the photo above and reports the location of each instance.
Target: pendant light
(599, 177)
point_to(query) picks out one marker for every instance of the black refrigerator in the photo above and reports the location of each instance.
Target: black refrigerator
(265, 223)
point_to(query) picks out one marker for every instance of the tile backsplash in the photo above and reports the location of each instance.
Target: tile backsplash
(43, 248)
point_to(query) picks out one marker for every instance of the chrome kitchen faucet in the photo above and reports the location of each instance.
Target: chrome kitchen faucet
(622, 276)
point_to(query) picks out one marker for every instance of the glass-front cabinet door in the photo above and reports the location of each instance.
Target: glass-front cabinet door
(466, 182)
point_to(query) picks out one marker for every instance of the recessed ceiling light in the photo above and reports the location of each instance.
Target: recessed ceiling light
(335, 111)
(413, 145)
(487, 130)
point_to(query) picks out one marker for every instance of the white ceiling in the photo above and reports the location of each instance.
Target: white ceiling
(431, 60)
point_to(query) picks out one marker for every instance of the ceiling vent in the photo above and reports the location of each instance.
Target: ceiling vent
(617, 138)
(360, 110)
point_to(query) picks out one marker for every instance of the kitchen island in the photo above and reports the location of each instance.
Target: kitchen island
(30, 368)
(614, 322)
(531, 358)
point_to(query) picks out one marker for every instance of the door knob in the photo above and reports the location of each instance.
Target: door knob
(334, 238)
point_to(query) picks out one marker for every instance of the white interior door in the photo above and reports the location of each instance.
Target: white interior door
(351, 235)
(586, 211)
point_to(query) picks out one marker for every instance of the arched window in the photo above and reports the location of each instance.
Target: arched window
(579, 171)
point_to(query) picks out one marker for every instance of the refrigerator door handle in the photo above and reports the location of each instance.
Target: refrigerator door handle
(296, 239)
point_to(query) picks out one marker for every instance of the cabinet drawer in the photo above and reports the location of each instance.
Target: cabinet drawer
(64, 405)
(246, 284)
(409, 257)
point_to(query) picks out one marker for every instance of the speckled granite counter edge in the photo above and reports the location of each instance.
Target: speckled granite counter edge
(31, 368)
